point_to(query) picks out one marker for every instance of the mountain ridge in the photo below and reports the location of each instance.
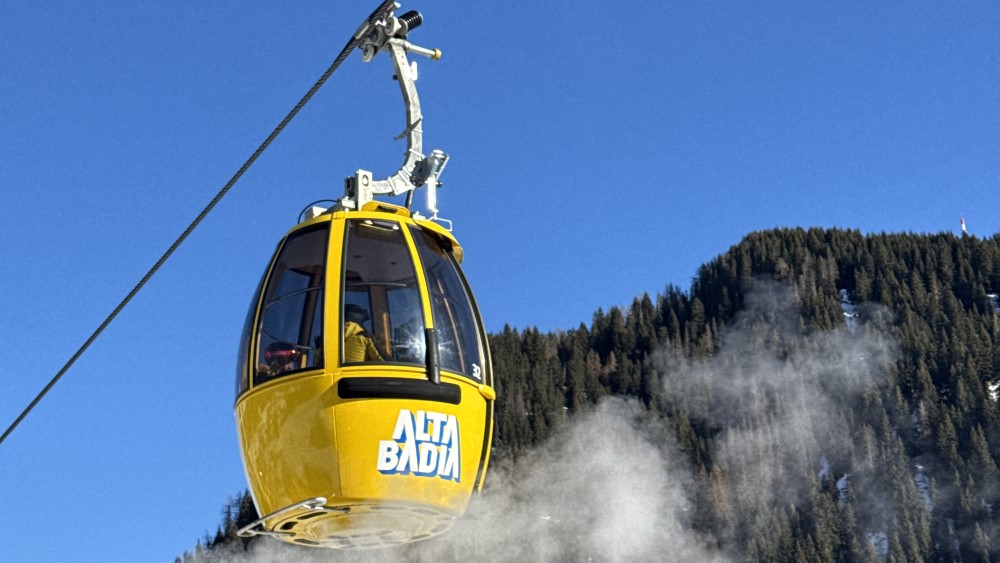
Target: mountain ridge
(807, 439)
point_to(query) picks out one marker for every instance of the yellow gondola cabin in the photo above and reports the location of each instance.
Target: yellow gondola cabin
(347, 453)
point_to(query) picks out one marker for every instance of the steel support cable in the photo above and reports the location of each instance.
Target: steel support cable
(383, 9)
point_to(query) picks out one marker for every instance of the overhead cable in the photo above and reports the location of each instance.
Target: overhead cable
(380, 12)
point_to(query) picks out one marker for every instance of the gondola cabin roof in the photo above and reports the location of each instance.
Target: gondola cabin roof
(382, 210)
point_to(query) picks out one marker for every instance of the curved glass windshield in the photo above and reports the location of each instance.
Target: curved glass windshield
(242, 363)
(381, 317)
(290, 329)
(454, 319)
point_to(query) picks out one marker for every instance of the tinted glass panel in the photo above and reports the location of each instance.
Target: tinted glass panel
(382, 318)
(454, 320)
(243, 362)
(290, 329)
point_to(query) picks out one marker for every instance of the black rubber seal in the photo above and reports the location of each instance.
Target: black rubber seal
(398, 388)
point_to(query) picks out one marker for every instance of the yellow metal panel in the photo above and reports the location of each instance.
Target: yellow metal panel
(420, 452)
(332, 323)
(288, 438)
(425, 298)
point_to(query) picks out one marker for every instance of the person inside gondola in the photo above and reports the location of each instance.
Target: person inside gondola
(358, 344)
(280, 357)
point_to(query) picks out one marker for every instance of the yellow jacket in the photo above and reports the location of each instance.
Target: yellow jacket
(358, 345)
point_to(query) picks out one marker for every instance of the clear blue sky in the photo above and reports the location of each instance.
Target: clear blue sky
(599, 150)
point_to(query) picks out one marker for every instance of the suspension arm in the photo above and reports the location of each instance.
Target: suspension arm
(417, 169)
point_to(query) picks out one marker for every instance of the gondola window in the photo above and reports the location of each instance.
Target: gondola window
(291, 323)
(380, 280)
(454, 319)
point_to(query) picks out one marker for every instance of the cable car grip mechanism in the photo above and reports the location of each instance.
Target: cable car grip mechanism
(390, 34)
